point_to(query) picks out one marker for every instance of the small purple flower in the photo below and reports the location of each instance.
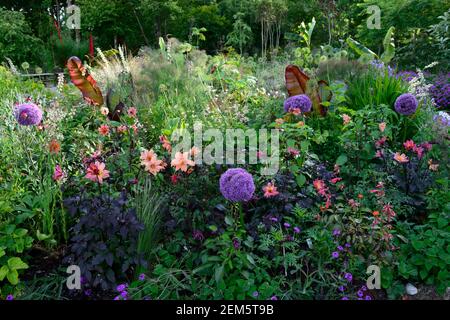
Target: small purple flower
(28, 114)
(121, 287)
(368, 298)
(273, 298)
(364, 288)
(344, 298)
(141, 277)
(348, 276)
(340, 248)
(255, 294)
(236, 243)
(336, 232)
(88, 292)
(124, 294)
(335, 255)
(341, 288)
(237, 185)
(360, 293)
(273, 219)
(117, 297)
(289, 238)
(287, 225)
(301, 102)
(198, 235)
(347, 245)
(406, 104)
(9, 297)
(297, 230)
(443, 118)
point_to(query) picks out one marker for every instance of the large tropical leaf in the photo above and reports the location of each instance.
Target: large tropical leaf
(296, 80)
(389, 46)
(83, 80)
(360, 49)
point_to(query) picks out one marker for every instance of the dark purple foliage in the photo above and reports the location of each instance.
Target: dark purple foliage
(104, 242)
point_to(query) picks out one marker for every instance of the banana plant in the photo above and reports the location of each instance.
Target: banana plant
(84, 81)
(298, 82)
(388, 45)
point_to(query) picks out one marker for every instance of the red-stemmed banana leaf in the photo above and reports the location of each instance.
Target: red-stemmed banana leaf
(296, 80)
(83, 80)
(297, 83)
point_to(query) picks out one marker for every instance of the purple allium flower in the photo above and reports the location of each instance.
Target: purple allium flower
(406, 104)
(198, 235)
(255, 294)
(360, 293)
(443, 118)
(340, 248)
(297, 230)
(348, 276)
(335, 255)
(302, 102)
(141, 277)
(9, 297)
(121, 287)
(237, 185)
(273, 298)
(28, 114)
(344, 298)
(287, 225)
(336, 232)
(236, 243)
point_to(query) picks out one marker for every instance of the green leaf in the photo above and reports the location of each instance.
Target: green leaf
(3, 272)
(300, 179)
(13, 277)
(218, 273)
(341, 160)
(359, 48)
(16, 263)
(41, 236)
(418, 245)
(389, 46)
(229, 220)
(250, 259)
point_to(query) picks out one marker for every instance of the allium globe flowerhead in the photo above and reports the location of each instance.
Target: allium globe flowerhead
(28, 114)
(302, 102)
(406, 104)
(237, 185)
